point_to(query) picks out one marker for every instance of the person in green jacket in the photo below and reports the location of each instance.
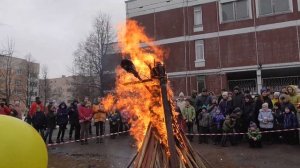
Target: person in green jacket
(254, 136)
(189, 115)
(228, 127)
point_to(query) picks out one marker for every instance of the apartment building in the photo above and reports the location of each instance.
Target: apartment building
(222, 43)
(19, 79)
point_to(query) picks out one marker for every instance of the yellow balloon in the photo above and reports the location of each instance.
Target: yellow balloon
(20, 145)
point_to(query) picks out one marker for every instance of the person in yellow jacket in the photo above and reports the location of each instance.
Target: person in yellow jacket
(99, 116)
(295, 100)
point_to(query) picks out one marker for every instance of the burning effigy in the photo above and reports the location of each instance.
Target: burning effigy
(143, 90)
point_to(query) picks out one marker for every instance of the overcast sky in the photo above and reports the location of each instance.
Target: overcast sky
(51, 29)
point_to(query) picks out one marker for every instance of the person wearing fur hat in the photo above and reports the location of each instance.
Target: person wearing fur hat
(225, 105)
(285, 102)
(290, 122)
(265, 118)
(254, 136)
(204, 124)
(180, 102)
(228, 127)
(294, 96)
(189, 116)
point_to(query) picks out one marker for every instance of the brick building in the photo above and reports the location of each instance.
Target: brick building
(222, 43)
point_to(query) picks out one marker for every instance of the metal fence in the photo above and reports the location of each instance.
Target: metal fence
(274, 83)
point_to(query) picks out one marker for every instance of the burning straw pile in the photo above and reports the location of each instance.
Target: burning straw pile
(142, 90)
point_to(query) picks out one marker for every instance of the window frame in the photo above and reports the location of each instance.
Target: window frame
(258, 15)
(249, 8)
(199, 27)
(200, 62)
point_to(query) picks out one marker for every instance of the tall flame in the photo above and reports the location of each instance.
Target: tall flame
(143, 103)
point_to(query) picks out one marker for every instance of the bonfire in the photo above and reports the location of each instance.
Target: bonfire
(142, 89)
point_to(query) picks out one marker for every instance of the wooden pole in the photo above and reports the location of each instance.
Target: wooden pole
(174, 160)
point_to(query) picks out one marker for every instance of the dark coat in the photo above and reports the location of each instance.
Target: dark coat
(62, 114)
(202, 101)
(237, 100)
(249, 111)
(73, 114)
(39, 120)
(225, 107)
(290, 121)
(51, 120)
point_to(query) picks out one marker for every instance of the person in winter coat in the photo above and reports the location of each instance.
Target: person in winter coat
(180, 102)
(278, 121)
(4, 109)
(294, 96)
(62, 121)
(213, 107)
(238, 98)
(204, 124)
(34, 106)
(189, 116)
(248, 112)
(193, 98)
(239, 124)
(51, 122)
(39, 121)
(225, 105)
(74, 120)
(99, 116)
(265, 118)
(217, 123)
(290, 122)
(85, 117)
(276, 98)
(285, 102)
(114, 121)
(263, 98)
(254, 136)
(228, 127)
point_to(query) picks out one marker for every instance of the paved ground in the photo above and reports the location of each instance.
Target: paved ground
(116, 153)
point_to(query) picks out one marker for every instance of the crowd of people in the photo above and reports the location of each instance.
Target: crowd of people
(235, 112)
(79, 116)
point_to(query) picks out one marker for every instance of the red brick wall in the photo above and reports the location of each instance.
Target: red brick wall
(147, 21)
(178, 85)
(238, 50)
(175, 59)
(278, 46)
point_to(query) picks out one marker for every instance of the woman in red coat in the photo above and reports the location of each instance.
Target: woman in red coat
(85, 117)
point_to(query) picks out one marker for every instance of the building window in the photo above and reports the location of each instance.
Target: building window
(198, 26)
(233, 10)
(199, 52)
(271, 7)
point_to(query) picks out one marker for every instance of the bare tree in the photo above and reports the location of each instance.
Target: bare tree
(6, 54)
(44, 85)
(88, 58)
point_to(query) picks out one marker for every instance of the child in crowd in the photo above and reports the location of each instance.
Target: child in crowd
(204, 124)
(228, 127)
(217, 123)
(114, 120)
(254, 136)
(189, 115)
(278, 122)
(290, 122)
(265, 118)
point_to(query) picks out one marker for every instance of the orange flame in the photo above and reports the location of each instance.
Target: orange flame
(143, 106)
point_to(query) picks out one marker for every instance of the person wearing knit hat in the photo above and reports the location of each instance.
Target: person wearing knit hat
(237, 98)
(204, 124)
(254, 136)
(275, 98)
(248, 112)
(189, 115)
(289, 122)
(180, 102)
(278, 122)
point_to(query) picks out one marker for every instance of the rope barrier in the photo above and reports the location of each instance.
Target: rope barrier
(243, 133)
(101, 136)
(210, 134)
